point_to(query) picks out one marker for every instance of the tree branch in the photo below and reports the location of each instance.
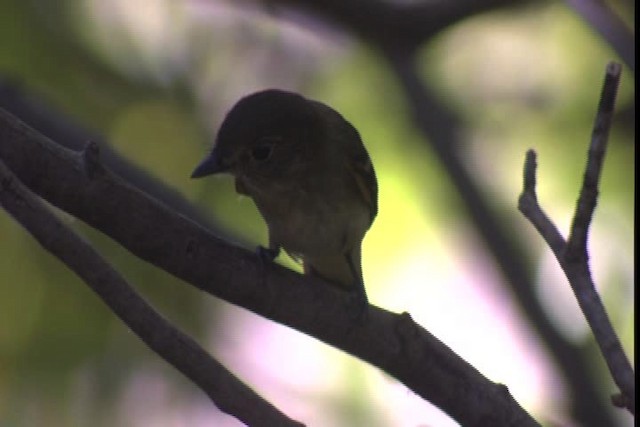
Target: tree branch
(225, 390)
(572, 254)
(149, 230)
(528, 202)
(577, 244)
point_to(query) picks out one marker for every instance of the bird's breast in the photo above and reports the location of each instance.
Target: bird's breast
(311, 226)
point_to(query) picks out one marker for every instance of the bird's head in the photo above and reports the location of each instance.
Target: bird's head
(264, 138)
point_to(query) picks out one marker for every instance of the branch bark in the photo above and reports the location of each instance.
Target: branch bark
(572, 254)
(225, 390)
(149, 230)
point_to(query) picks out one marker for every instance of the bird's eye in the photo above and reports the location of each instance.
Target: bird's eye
(262, 151)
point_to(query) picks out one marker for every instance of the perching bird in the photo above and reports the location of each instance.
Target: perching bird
(310, 176)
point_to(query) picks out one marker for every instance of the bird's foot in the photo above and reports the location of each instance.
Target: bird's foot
(267, 254)
(266, 257)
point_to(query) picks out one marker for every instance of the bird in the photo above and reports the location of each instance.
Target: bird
(310, 176)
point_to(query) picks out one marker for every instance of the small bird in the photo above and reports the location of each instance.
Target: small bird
(310, 176)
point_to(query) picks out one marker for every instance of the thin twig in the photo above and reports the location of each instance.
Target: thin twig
(528, 202)
(225, 390)
(572, 255)
(577, 243)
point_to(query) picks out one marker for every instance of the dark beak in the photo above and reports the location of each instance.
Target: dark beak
(209, 166)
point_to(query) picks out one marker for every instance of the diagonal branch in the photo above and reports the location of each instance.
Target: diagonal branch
(572, 255)
(225, 390)
(392, 342)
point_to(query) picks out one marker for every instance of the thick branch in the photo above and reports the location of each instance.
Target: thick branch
(572, 255)
(152, 232)
(224, 389)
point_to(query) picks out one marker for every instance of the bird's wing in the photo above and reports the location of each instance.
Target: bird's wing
(358, 163)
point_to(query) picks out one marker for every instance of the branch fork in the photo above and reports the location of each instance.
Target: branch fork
(572, 254)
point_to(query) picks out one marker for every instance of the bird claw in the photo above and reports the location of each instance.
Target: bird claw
(266, 257)
(267, 254)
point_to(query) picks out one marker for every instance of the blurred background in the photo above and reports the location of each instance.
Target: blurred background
(152, 79)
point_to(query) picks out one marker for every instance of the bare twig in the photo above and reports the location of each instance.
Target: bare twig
(572, 254)
(577, 243)
(392, 342)
(225, 390)
(528, 202)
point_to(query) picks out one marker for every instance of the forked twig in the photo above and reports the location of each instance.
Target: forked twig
(572, 254)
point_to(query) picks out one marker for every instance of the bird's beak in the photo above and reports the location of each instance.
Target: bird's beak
(209, 166)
